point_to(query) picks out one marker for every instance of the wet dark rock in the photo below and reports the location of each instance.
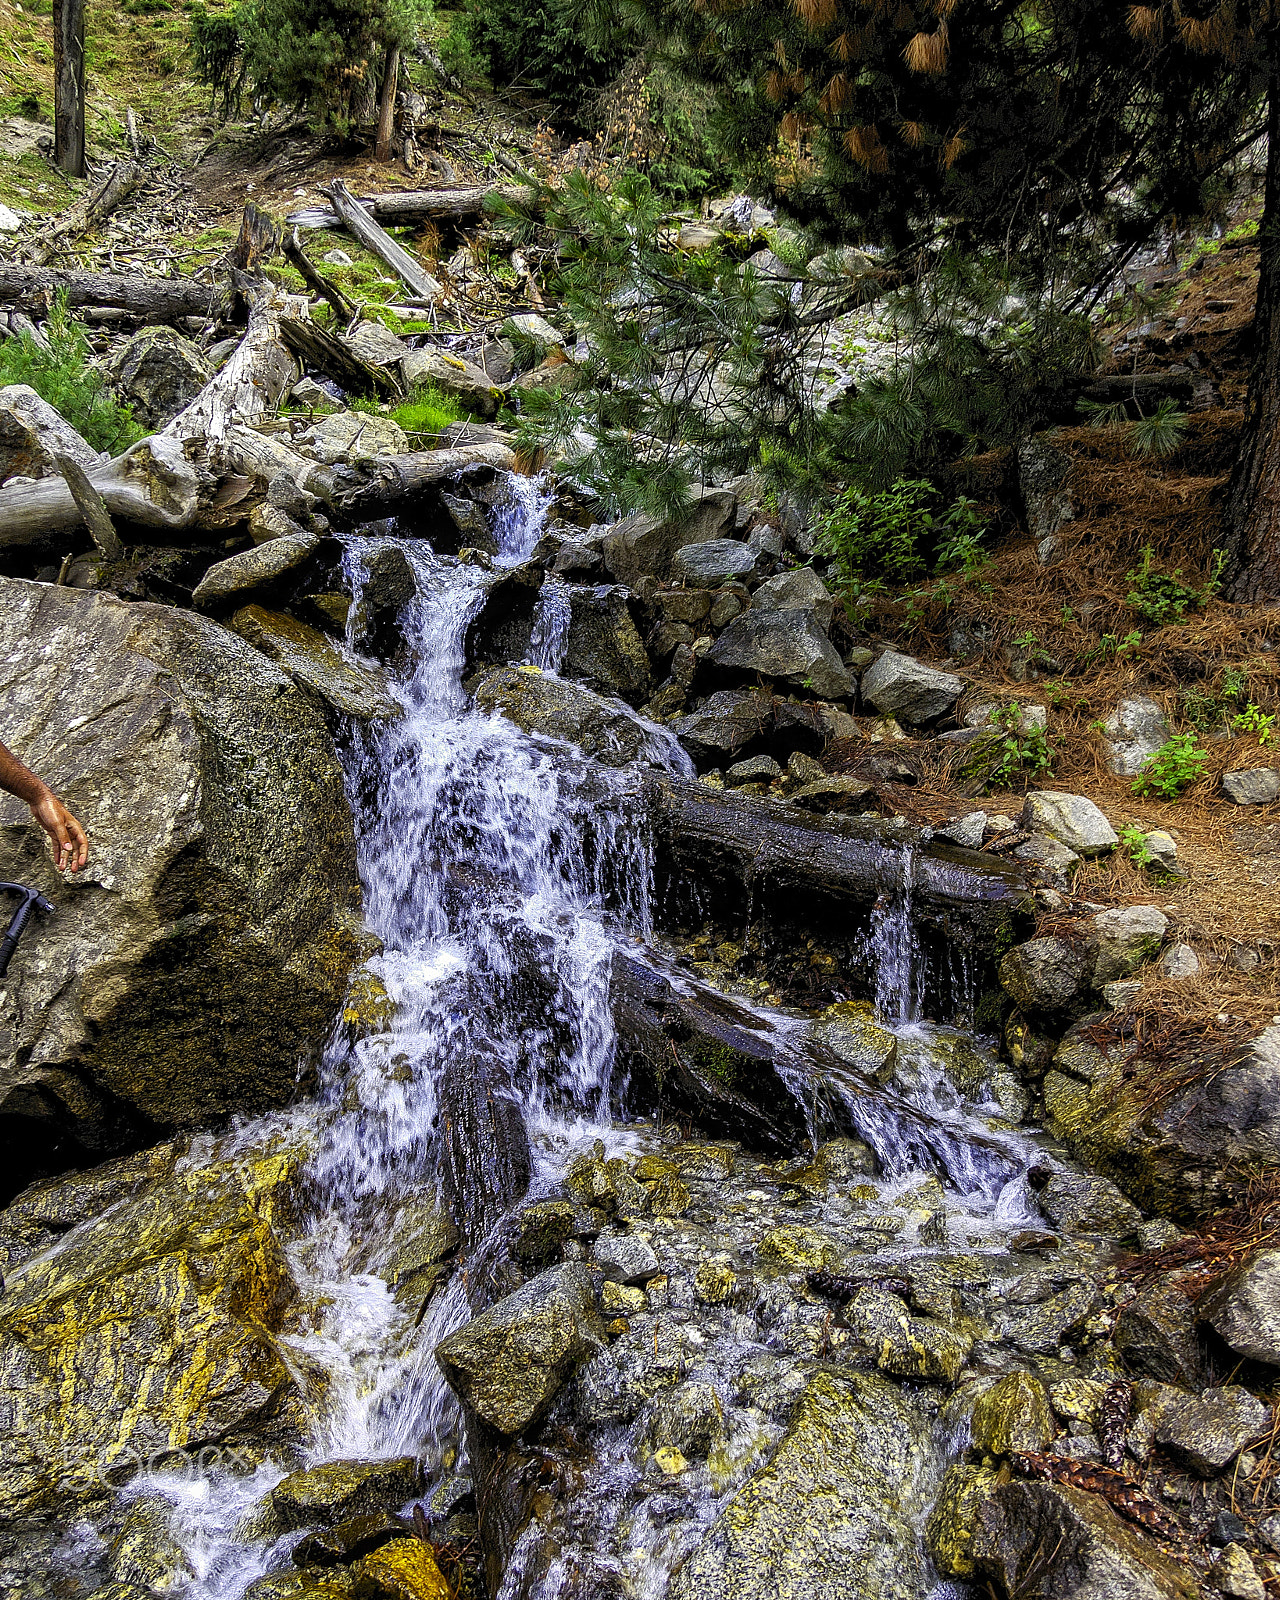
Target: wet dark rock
(339, 1491)
(905, 1346)
(1042, 1328)
(783, 644)
(625, 1258)
(832, 1511)
(726, 724)
(606, 730)
(259, 571)
(1045, 975)
(902, 687)
(1210, 1431)
(147, 1551)
(204, 952)
(755, 769)
(348, 1541)
(502, 629)
(1244, 1308)
(486, 1163)
(543, 1228)
(604, 648)
(511, 1361)
(1048, 1542)
(689, 1418)
(1014, 1414)
(1079, 1203)
(648, 1358)
(1156, 1335)
(952, 1522)
(158, 372)
(1227, 1529)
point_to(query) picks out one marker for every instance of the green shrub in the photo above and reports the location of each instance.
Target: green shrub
(1172, 768)
(1253, 719)
(1162, 597)
(879, 535)
(62, 376)
(1010, 753)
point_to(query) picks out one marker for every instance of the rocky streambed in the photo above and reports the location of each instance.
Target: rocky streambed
(671, 1209)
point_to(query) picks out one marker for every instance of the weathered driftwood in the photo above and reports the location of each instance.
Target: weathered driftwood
(420, 205)
(1143, 388)
(87, 212)
(316, 347)
(315, 281)
(254, 379)
(92, 508)
(152, 483)
(165, 298)
(376, 488)
(374, 238)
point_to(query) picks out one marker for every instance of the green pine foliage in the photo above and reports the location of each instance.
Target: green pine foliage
(320, 56)
(63, 376)
(541, 49)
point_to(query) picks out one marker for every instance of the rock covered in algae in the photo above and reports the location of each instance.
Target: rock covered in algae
(510, 1362)
(316, 664)
(903, 1345)
(146, 1551)
(151, 1329)
(405, 1570)
(832, 1512)
(204, 951)
(1013, 1414)
(337, 1491)
(1047, 1542)
(850, 1030)
(948, 1534)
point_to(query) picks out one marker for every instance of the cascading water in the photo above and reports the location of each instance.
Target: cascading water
(499, 891)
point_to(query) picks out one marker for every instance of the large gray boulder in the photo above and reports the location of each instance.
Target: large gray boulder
(1043, 1541)
(33, 434)
(1210, 1430)
(1244, 1308)
(1072, 819)
(1080, 1203)
(1045, 975)
(159, 372)
(783, 644)
(1252, 786)
(643, 545)
(471, 386)
(834, 1511)
(902, 687)
(1134, 731)
(204, 952)
(799, 590)
(317, 665)
(605, 729)
(713, 563)
(509, 1363)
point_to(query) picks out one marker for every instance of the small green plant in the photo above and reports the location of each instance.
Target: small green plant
(1063, 696)
(960, 531)
(1159, 434)
(1015, 750)
(427, 410)
(1162, 597)
(1234, 681)
(1172, 768)
(62, 376)
(1253, 719)
(1026, 640)
(1135, 842)
(879, 534)
(1112, 647)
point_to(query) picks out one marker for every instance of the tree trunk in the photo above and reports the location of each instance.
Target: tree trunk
(387, 108)
(118, 185)
(68, 86)
(413, 206)
(1253, 514)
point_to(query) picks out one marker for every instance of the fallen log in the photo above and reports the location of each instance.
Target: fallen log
(420, 205)
(316, 347)
(118, 185)
(254, 379)
(346, 310)
(374, 238)
(378, 487)
(165, 298)
(152, 483)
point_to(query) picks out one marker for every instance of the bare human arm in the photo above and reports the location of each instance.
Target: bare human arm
(71, 847)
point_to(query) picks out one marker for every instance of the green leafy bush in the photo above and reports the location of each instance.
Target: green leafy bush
(1012, 752)
(1162, 597)
(879, 535)
(1135, 842)
(62, 376)
(1173, 767)
(1253, 719)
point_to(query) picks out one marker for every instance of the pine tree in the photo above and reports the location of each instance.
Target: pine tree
(1063, 133)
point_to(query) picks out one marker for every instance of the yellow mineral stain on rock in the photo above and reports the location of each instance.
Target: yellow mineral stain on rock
(402, 1570)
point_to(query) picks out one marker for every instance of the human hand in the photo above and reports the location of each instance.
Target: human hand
(70, 845)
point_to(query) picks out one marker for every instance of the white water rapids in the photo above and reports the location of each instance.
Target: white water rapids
(482, 863)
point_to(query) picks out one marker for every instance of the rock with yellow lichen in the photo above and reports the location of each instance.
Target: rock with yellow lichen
(1013, 1414)
(949, 1531)
(406, 1569)
(151, 1329)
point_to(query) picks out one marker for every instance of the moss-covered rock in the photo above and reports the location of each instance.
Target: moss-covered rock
(903, 1345)
(316, 664)
(832, 1512)
(850, 1031)
(337, 1491)
(1013, 1414)
(151, 1328)
(146, 1551)
(799, 1248)
(948, 1534)
(405, 1570)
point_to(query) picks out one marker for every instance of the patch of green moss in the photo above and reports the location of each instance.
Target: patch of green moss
(427, 410)
(714, 1060)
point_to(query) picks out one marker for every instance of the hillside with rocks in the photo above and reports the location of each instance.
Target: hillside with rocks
(611, 1044)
